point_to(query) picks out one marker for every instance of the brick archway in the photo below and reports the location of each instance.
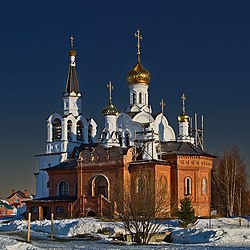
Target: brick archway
(100, 185)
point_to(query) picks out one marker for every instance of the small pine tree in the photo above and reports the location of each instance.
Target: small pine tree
(186, 214)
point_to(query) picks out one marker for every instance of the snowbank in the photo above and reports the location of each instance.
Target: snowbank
(224, 231)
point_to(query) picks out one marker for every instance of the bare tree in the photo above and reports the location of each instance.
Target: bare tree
(241, 205)
(141, 206)
(231, 181)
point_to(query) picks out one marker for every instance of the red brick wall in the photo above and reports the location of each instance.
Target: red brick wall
(4, 211)
(56, 176)
(157, 181)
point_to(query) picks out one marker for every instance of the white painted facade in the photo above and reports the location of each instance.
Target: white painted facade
(137, 123)
(64, 132)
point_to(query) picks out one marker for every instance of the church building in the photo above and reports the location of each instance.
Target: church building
(136, 153)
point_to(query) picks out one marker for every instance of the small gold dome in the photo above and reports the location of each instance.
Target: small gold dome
(72, 52)
(110, 110)
(183, 118)
(138, 75)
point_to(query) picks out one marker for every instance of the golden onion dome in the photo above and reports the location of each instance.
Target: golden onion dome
(183, 118)
(138, 75)
(72, 52)
(110, 110)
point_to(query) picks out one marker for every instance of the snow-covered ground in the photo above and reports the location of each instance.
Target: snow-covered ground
(88, 233)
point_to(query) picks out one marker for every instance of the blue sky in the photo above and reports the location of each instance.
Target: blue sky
(200, 48)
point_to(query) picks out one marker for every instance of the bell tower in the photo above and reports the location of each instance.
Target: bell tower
(65, 131)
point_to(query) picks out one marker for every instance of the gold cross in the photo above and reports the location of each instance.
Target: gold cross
(162, 103)
(72, 41)
(183, 97)
(139, 38)
(110, 88)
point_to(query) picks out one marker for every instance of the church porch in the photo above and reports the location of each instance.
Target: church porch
(90, 206)
(43, 208)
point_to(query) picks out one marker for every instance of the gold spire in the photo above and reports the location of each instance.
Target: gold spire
(110, 109)
(183, 117)
(72, 52)
(162, 103)
(138, 75)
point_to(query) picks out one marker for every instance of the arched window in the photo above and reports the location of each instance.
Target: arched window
(134, 98)
(56, 129)
(63, 188)
(120, 139)
(161, 131)
(204, 185)
(101, 186)
(140, 184)
(75, 188)
(79, 131)
(163, 185)
(127, 141)
(69, 133)
(188, 186)
(90, 131)
(140, 97)
(104, 135)
(60, 209)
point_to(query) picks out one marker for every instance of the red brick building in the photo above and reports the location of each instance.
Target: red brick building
(85, 185)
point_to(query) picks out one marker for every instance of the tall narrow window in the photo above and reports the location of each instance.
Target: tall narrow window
(140, 98)
(69, 133)
(134, 98)
(63, 188)
(120, 139)
(140, 184)
(79, 131)
(204, 185)
(104, 135)
(127, 141)
(90, 131)
(188, 186)
(56, 129)
(163, 185)
(75, 189)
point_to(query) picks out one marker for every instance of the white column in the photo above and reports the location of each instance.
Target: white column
(64, 129)
(73, 130)
(49, 132)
